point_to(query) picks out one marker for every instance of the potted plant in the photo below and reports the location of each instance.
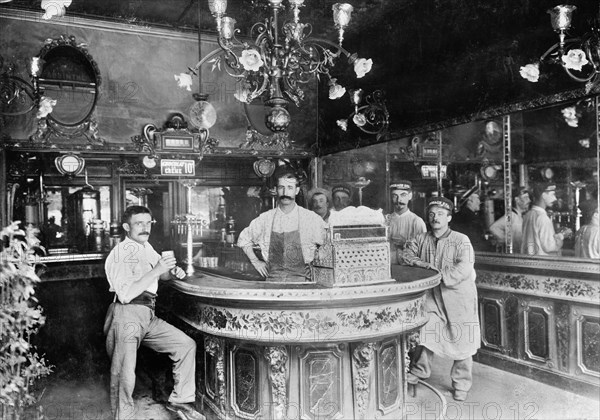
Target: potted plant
(20, 318)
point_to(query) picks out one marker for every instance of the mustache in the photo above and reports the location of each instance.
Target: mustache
(281, 197)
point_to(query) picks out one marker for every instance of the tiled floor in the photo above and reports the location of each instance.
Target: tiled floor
(495, 395)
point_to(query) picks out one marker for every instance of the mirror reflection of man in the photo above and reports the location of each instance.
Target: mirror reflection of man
(539, 236)
(319, 200)
(587, 240)
(403, 223)
(286, 248)
(468, 221)
(342, 196)
(522, 201)
(452, 330)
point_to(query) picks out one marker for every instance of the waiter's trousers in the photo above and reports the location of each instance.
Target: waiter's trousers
(135, 325)
(461, 372)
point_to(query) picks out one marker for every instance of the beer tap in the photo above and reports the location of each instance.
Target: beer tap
(578, 186)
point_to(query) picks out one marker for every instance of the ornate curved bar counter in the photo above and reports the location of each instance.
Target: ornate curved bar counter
(301, 351)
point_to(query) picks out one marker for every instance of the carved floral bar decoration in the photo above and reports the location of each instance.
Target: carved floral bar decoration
(554, 286)
(308, 326)
(278, 372)
(362, 356)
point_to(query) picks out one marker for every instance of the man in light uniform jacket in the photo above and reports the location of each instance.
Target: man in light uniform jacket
(452, 330)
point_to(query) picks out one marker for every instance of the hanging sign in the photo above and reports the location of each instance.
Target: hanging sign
(430, 171)
(180, 167)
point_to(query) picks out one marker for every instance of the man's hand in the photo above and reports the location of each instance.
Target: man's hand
(566, 233)
(427, 265)
(178, 272)
(165, 264)
(261, 267)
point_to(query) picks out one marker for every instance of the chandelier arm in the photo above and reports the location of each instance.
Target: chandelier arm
(579, 79)
(318, 41)
(376, 116)
(293, 92)
(557, 47)
(259, 90)
(209, 56)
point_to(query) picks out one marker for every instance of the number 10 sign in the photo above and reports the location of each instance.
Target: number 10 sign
(180, 167)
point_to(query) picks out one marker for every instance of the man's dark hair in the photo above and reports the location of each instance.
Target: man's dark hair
(287, 173)
(132, 211)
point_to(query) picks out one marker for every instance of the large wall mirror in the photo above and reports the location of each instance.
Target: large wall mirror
(555, 145)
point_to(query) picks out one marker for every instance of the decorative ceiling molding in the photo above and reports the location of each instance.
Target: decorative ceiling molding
(110, 26)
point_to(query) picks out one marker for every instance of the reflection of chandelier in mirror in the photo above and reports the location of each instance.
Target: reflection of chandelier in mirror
(19, 96)
(579, 57)
(372, 116)
(284, 57)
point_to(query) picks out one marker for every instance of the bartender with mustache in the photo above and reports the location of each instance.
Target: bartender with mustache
(287, 235)
(403, 223)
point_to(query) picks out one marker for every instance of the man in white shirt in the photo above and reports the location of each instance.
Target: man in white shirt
(498, 228)
(133, 269)
(403, 223)
(341, 196)
(539, 237)
(287, 235)
(319, 201)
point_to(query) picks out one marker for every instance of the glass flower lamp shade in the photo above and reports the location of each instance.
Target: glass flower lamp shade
(228, 27)
(560, 17)
(217, 7)
(342, 14)
(356, 96)
(296, 3)
(36, 66)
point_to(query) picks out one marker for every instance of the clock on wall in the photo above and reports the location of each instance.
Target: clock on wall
(264, 168)
(547, 173)
(69, 164)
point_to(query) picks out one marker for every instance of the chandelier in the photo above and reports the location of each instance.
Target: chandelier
(283, 58)
(579, 57)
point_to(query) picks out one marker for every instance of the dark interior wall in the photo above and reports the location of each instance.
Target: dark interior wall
(137, 67)
(72, 339)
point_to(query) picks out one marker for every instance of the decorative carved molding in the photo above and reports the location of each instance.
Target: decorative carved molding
(555, 287)
(362, 356)
(317, 325)
(499, 304)
(214, 346)
(545, 265)
(259, 294)
(563, 333)
(389, 376)
(244, 382)
(278, 372)
(322, 381)
(547, 312)
(582, 368)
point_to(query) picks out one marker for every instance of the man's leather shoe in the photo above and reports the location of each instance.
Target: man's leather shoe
(460, 395)
(185, 411)
(412, 379)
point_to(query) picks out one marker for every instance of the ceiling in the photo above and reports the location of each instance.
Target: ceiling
(436, 60)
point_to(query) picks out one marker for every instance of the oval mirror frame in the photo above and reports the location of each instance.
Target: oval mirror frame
(70, 72)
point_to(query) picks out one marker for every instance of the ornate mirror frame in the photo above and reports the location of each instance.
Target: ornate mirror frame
(67, 67)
